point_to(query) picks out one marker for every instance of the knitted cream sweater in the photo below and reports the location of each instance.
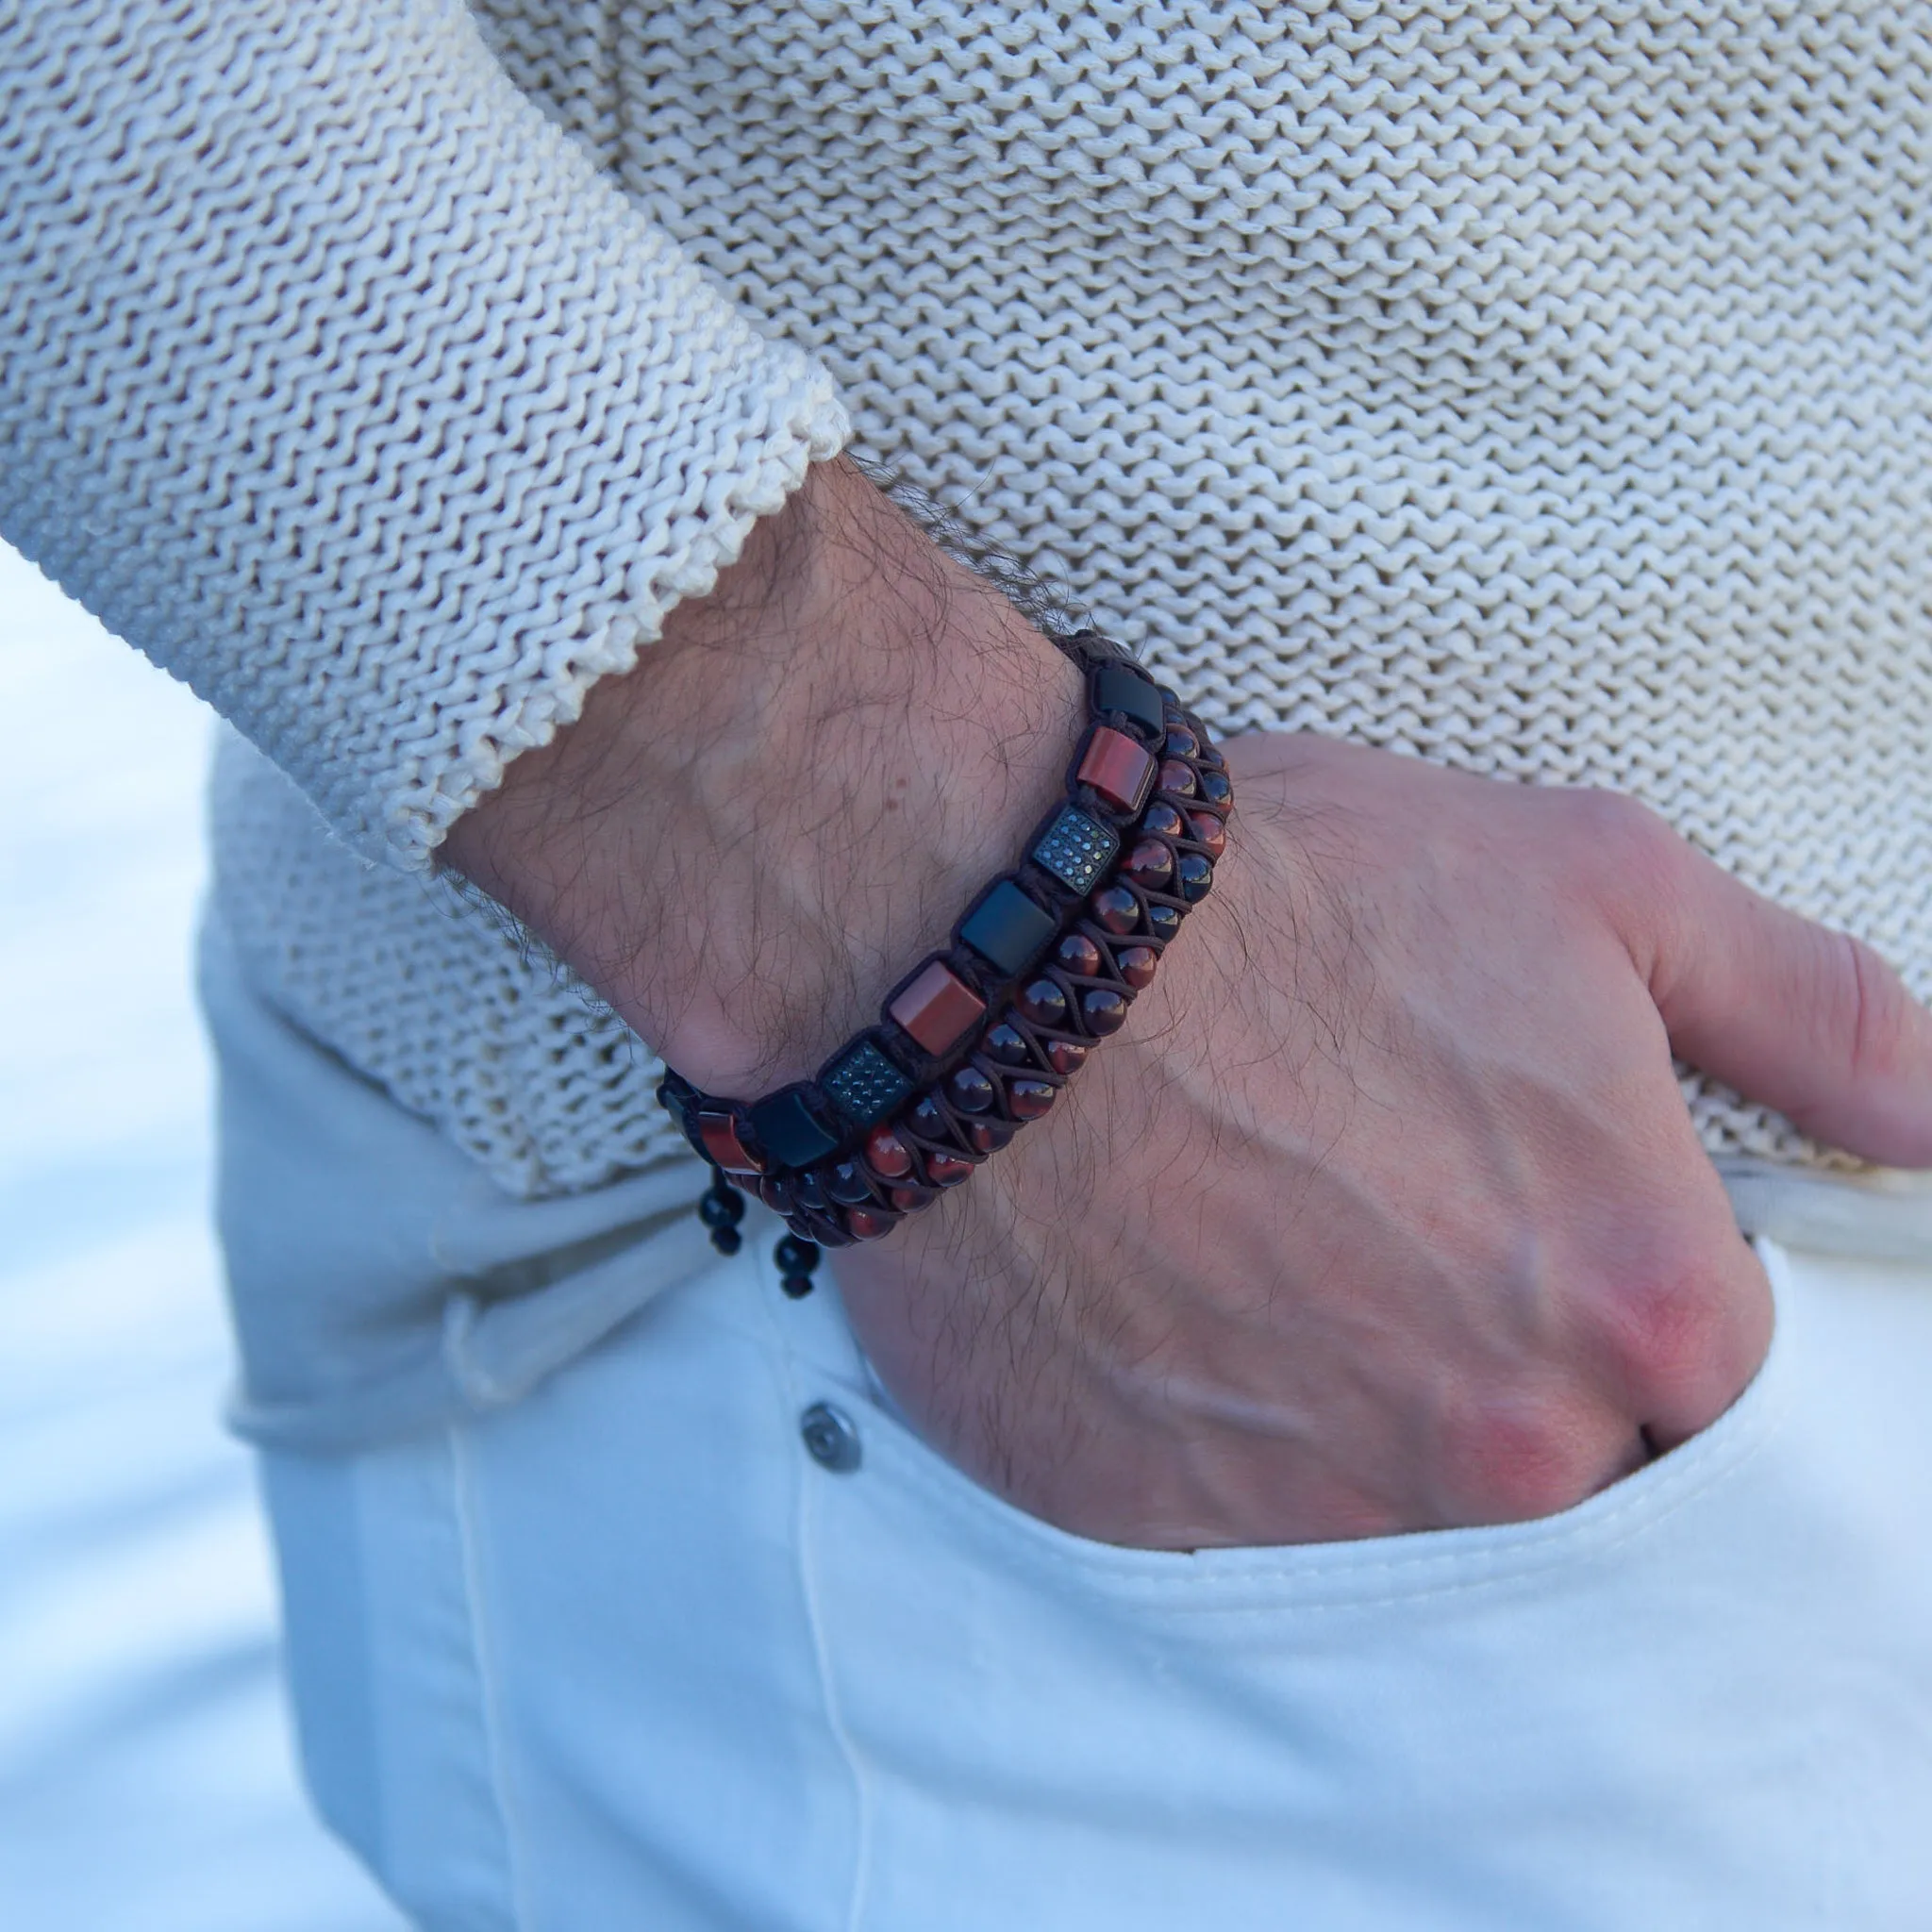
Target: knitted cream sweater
(1547, 389)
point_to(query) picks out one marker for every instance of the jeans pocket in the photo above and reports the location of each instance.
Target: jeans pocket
(1401, 1730)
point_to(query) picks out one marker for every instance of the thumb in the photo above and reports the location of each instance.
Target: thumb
(1789, 1012)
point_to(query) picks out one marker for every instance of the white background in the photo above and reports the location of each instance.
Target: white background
(145, 1773)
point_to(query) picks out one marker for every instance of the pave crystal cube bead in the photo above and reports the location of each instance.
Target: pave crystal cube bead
(1076, 850)
(937, 1008)
(865, 1085)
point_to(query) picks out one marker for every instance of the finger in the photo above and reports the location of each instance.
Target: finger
(1702, 1344)
(1808, 1021)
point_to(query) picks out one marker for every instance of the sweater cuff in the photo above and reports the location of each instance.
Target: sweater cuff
(340, 382)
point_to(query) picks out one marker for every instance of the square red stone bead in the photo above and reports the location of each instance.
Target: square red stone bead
(719, 1133)
(937, 1008)
(1117, 768)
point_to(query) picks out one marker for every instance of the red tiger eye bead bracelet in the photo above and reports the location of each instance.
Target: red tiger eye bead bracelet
(980, 1036)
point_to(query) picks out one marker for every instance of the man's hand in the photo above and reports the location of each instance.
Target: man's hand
(1384, 1212)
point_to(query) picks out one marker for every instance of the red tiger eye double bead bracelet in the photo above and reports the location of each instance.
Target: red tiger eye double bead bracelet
(980, 1036)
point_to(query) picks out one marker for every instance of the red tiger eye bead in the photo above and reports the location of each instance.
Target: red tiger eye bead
(1177, 779)
(905, 1199)
(776, 1193)
(1042, 1002)
(946, 1169)
(1103, 1009)
(1162, 818)
(1208, 832)
(719, 1132)
(1066, 1057)
(1150, 864)
(869, 1223)
(1214, 785)
(1078, 954)
(1116, 767)
(1137, 964)
(887, 1154)
(988, 1137)
(846, 1181)
(1181, 743)
(972, 1088)
(1117, 910)
(1029, 1099)
(938, 1008)
(1005, 1044)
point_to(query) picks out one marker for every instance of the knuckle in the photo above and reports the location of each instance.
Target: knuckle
(1671, 1331)
(1636, 854)
(1516, 1457)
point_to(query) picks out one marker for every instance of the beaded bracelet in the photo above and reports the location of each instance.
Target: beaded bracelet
(979, 1038)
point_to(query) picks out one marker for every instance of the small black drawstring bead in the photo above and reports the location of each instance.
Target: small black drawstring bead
(720, 1210)
(796, 1259)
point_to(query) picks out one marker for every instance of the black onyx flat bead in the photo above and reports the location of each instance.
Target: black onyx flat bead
(1008, 929)
(1042, 1002)
(1193, 874)
(776, 1193)
(1163, 922)
(846, 1182)
(929, 1120)
(1103, 1009)
(1007, 1045)
(1117, 910)
(809, 1192)
(864, 1085)
(1118, 688)
(789, 1131)
(1213, 785)
(972, 1090)
(1180, 743)
(1075, 849)
(1163, 820)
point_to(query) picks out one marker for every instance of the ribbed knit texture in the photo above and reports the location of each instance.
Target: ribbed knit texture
(1545, 390)
(335, 377)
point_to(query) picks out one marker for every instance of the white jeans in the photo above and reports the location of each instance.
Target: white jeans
(620, 1652)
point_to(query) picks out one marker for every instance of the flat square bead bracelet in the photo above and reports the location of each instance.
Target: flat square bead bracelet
(979, 1038)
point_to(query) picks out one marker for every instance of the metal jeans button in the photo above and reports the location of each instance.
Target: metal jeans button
(831, 1439)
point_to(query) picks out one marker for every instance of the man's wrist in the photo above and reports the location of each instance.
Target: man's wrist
(745, 841)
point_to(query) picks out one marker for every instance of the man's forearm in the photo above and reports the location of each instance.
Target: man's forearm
(743, 843)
